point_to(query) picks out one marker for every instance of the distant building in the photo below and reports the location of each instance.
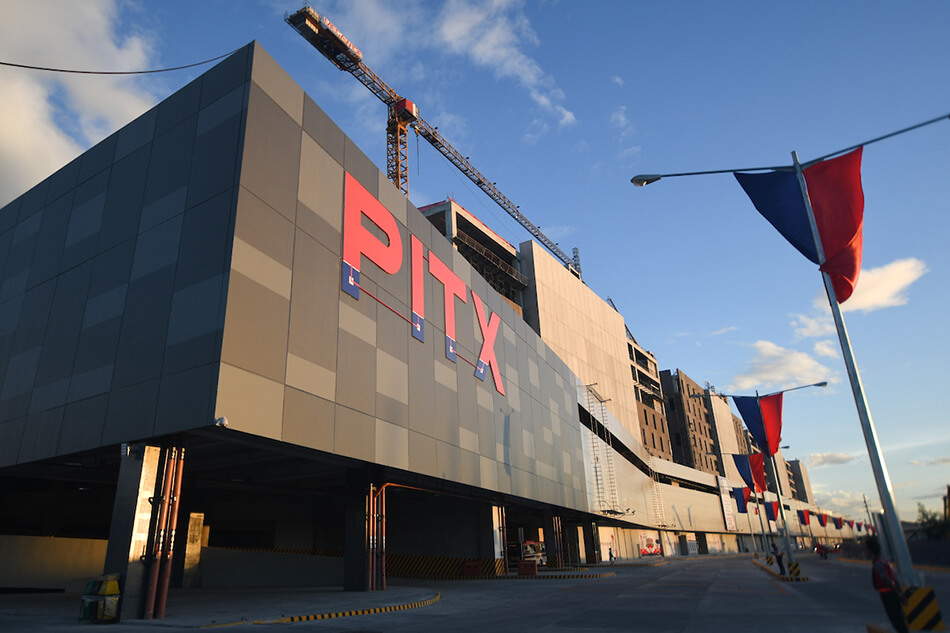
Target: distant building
(787, 488)
(692, 433)
(729, 441)
(742, 435)
(493, 257)
(800, 483)
(650, 401)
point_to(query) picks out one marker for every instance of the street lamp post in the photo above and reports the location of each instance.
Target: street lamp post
(907, 574)
(766, 450)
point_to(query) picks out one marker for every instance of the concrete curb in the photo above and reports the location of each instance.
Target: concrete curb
(779, 576)
(916, 566)
(547, 576)
(341, 614)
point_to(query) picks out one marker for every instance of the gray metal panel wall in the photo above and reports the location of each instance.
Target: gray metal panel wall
(304, 362)
(112, 278)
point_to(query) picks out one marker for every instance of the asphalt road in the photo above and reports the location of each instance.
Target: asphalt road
(708, 594)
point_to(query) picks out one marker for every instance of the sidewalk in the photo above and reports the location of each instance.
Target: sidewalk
(214, 608)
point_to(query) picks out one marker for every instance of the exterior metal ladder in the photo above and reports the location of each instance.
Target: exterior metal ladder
(605, 479)
(658, 511)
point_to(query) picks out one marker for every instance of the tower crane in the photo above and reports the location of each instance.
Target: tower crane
(403, 114)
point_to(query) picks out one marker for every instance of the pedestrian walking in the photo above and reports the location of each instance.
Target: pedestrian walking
(885, 583)
(777, 553)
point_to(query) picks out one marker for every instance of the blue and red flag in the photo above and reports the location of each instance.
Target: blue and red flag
(763, 418)
(804, 517)
(752, 470)
(771, 510)
(860, 525)
(742, 499)
(837, 199)
(837, 521)
(822, 519)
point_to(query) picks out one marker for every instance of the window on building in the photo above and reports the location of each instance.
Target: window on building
(662, 448)
(653, 439)
(644, 431)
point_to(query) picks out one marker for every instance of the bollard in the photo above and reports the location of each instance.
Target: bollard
(921, 609)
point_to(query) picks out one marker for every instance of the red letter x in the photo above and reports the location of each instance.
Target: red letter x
(486, 357)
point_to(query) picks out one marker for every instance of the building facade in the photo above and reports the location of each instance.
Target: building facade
(692, 431)
(799, 481)
(227, 297)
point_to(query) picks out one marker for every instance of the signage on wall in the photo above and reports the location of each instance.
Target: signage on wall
(359, 242)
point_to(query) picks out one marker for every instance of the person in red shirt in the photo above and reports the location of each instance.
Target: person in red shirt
(885, 583)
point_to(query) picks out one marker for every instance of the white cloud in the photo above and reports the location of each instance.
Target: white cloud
(633, 150)
(830, 459)
(536, 131)
(937, 461)
(380, 29)
(826, 348)
(493, 33)
(844, 502)
(617, 79)
(559, 231)
(48, 118)
(620, 121)
(811, 327)
(882, 287)
(775, 366)
(731, 328)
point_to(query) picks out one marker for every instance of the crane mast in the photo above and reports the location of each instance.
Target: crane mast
(403, 114)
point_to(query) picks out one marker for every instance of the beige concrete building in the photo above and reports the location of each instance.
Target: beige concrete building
(799, 481)
(591, 337)
(691, 430)
(651, 404)
(728, 442)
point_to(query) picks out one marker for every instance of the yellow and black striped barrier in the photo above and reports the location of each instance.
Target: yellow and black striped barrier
(921, 610)
(794, 570)
(769, 560)
(346, 614)
(786, 578)
(558, 576)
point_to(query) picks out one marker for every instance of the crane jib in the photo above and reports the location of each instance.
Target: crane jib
(330, 41)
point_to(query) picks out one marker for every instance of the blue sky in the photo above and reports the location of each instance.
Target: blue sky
(561, 103)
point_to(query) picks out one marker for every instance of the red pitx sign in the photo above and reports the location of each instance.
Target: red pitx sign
(359, 242)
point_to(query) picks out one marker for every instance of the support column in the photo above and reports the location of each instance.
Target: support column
(591, 542)
(131, 519)
(355, 553)
(553, 540)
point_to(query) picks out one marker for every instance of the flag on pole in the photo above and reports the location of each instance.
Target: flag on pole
(752, 470)
(822, 519)
(837, 199)
(837, 521)
(860, 526)
(851, 523)
(804, 517)
(763, 418)
(742, 499)
(771, 510)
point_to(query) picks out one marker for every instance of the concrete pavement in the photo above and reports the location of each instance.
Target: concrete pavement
(699, 594)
